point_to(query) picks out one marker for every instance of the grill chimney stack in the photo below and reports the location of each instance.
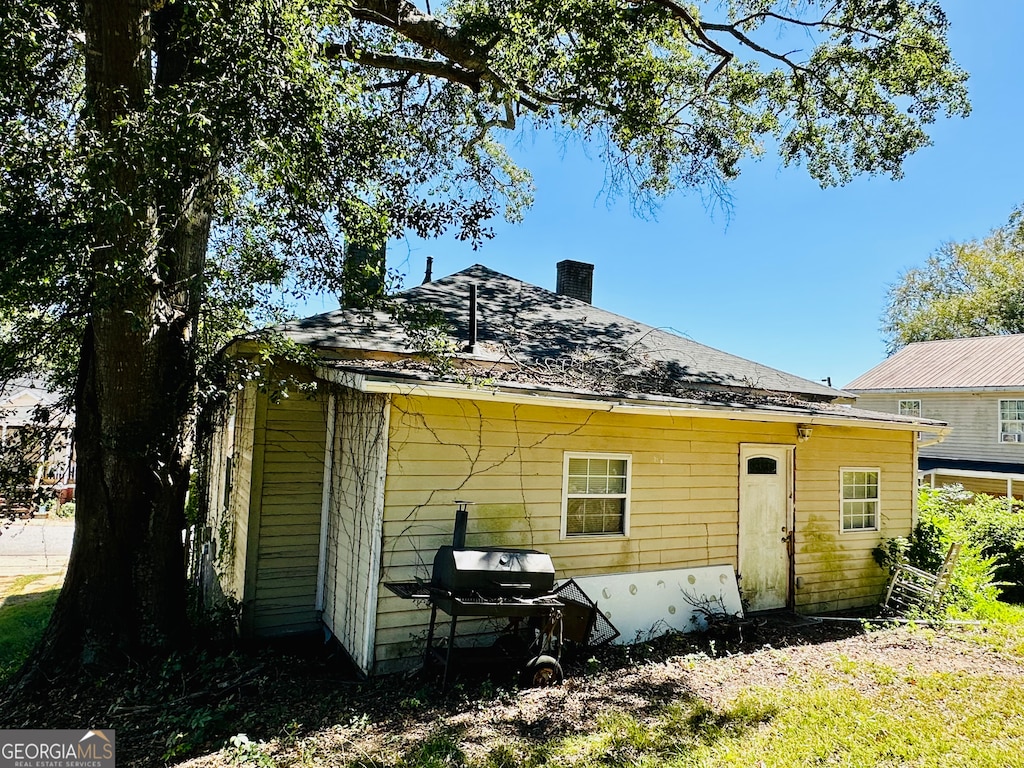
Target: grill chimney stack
(461, 524)
(576, 280)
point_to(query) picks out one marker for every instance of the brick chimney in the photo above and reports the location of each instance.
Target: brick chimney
(575, 279)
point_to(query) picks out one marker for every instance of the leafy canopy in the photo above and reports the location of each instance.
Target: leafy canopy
(296, 125)
(975, 288)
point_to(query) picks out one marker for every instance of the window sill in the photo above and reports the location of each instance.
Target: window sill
(593, 536)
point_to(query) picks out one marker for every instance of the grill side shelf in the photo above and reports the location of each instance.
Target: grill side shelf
(410, 590)
(510, 607)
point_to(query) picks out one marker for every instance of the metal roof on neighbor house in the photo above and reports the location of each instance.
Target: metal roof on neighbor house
(975, 363)
(530, 334)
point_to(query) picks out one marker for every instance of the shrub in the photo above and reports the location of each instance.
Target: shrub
(999, 531)
(992, 547)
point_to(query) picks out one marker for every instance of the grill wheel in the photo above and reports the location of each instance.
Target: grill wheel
(541, 672)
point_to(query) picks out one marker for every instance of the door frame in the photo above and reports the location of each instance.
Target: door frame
(747, 450)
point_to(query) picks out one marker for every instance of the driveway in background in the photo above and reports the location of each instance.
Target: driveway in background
(34, 547)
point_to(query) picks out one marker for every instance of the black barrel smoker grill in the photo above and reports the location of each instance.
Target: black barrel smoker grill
(501, 583)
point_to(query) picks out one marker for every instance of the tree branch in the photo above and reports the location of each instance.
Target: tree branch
(469, 78)
(703, 41)
(423, 29)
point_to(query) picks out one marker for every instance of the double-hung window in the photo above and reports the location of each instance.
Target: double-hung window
(595, 494)
(910, 407)
(860, 498)
(1011, 421)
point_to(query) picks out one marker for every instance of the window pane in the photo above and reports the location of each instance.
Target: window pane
(591, 516)
(578, 467)
(910, 407)
(1011, 410)
(577, 484)
(762, 465)
(592, 522)
(860, 500)
(574, 516)
(616, 485)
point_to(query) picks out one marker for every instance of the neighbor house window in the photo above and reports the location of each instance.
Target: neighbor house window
(860, 498)
(1011, 421)
(595, 499)
(910, 407)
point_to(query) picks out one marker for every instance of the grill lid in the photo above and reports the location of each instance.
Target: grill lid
(493, 571)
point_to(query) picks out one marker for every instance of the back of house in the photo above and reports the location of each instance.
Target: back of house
(651, 468)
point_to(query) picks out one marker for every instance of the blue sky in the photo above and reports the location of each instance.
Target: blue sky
(796, 276)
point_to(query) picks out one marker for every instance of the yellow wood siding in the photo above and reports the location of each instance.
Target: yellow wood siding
(684, 501)
(228, 515)
(355, 512)
(290, 482)
(836, 570)
(992, 487)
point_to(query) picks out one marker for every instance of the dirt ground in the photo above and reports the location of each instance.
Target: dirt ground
(302, 706)
(390, 718)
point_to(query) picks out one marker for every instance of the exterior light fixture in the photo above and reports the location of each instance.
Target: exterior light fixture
(803, 432)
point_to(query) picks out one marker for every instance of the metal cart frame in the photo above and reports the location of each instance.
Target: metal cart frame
(548, 608)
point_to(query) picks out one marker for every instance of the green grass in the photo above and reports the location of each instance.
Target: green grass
(935, 720)
(1002, 630)
(22, 621)
(857, 713)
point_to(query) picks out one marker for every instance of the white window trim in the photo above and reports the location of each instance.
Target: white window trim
(999, 422)
(899, 406)
(628, 457)
(878, 502)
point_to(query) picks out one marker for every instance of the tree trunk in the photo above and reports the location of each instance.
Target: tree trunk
(125, 591)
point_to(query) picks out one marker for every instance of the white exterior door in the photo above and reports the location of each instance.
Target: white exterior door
(764, 526)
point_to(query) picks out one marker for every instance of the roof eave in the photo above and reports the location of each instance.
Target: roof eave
(935, 390)
(375, 384)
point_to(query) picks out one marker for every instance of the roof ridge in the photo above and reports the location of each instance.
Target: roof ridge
(527, 322)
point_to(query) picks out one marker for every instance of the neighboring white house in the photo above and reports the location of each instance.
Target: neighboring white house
(975, 385)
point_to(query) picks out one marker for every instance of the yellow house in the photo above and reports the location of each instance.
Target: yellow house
(612, 446)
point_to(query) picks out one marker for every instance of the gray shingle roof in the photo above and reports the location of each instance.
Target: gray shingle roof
(974, 363)
(529, 334)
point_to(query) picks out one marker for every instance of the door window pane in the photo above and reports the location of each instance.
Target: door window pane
(762, 465)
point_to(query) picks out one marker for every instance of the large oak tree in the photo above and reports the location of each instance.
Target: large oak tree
(165, 161)
(973, 288)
